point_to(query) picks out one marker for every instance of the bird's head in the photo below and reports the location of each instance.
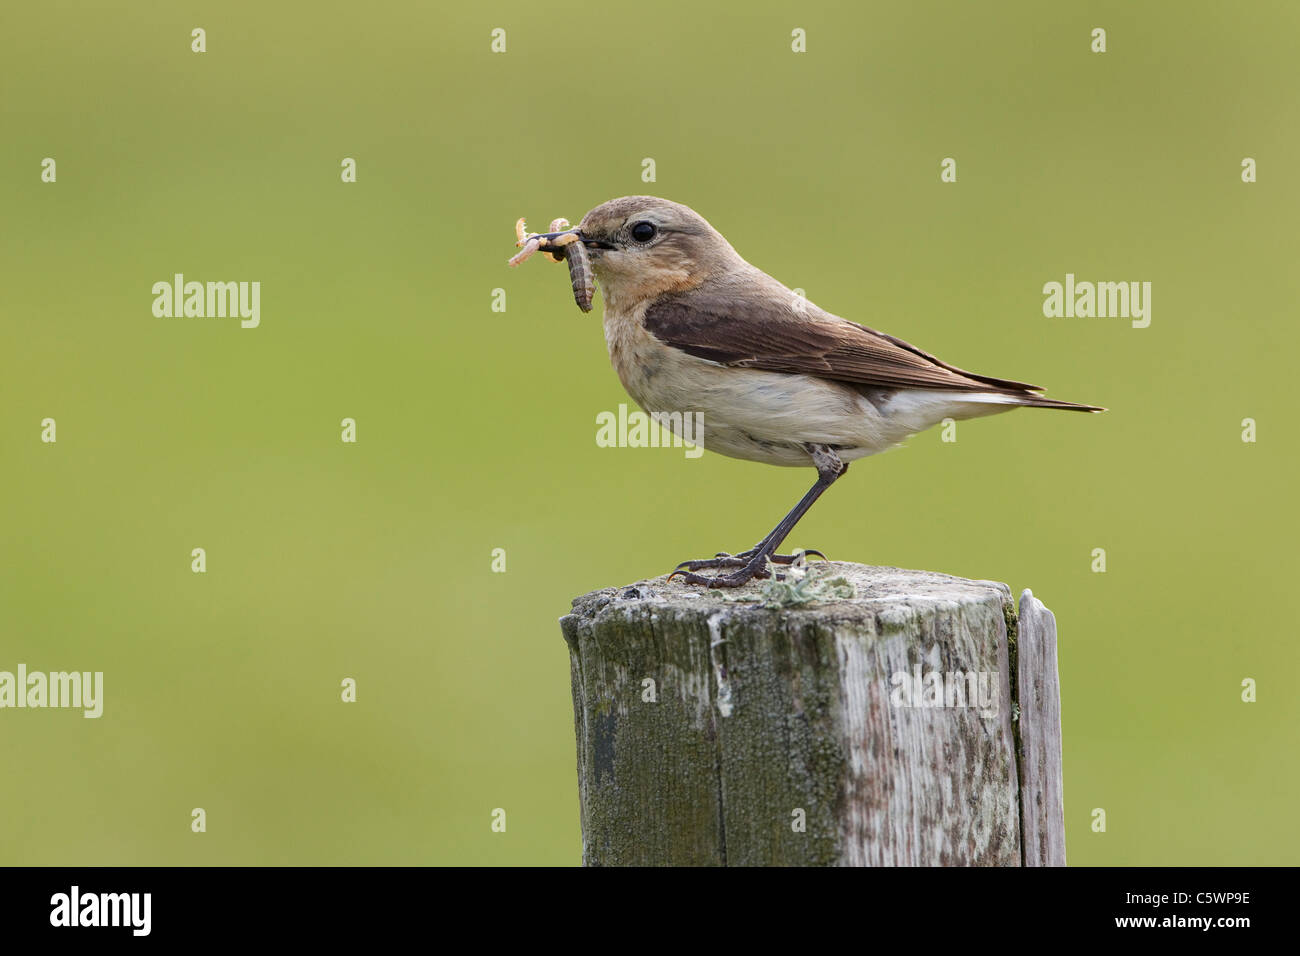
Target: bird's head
(643, 246)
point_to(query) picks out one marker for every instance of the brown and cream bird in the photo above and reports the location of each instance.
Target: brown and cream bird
(694, 328)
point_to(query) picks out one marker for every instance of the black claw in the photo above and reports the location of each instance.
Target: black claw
(791, 558)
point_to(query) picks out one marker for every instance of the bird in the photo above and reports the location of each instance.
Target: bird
(693, 328)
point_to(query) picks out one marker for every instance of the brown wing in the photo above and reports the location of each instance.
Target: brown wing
(761, 330)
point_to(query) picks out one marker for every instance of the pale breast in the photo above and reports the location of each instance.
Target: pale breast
(637, 356)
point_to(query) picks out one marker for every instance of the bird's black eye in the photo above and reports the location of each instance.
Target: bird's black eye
(643, 231)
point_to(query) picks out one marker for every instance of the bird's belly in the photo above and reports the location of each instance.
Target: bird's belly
(756, 415)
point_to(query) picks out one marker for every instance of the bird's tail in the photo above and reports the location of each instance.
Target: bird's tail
(1028, 400)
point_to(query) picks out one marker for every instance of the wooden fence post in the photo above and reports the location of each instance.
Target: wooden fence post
(877, 729)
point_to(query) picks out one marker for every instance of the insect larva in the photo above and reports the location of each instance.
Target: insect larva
(559, 225)
(580, 274)
(529, 245)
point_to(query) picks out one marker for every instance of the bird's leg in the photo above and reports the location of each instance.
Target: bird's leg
(753, 563)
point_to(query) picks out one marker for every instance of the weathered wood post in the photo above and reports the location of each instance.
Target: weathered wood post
(876, 729)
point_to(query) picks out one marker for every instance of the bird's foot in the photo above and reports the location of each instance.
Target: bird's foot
(724, 560)
(749, 565)
(755, 567)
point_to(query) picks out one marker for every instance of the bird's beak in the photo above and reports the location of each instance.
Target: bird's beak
(551, 246)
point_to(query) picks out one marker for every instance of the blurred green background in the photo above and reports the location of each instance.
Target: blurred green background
(476, 429)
